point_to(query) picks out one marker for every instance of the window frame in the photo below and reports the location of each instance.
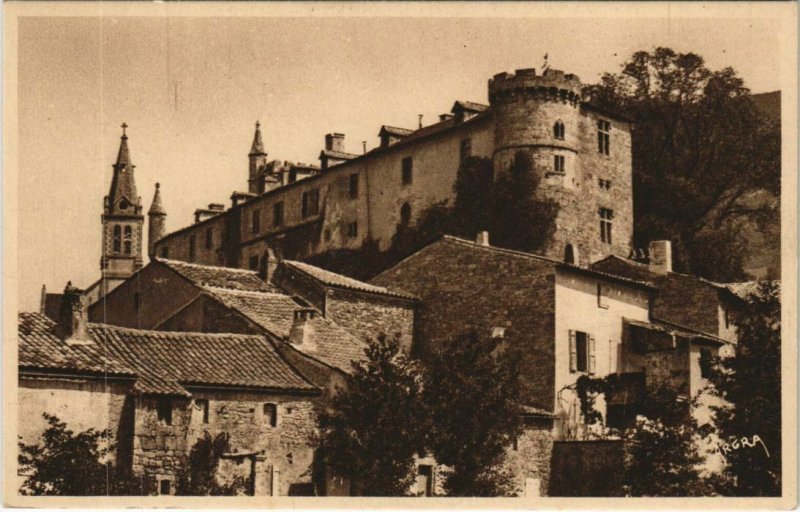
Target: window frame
(204, 406)
(559, 164)
(127, 240)
(353, 186)
(586, 364)
(604, 136)
(117, 239)
(278, 214)
(310, 199)
(606, 224)
(270, 419)
(407, 171)
(559, 130)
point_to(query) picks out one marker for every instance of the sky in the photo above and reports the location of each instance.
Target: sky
(191, 89)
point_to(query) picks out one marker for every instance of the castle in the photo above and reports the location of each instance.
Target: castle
(582, 155)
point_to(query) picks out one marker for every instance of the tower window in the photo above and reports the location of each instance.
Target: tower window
(256, 223)
(558, 130)
(271, 415)
(192, 248)
(603, 136)
(117, 238)
(466, 150)
(127, 241)
(558, 164)
(310, 202)
(606, 215)
(353, 186)
(277, 214)
(352, 229)
(408, 170)
(405, 214)
(209, 238)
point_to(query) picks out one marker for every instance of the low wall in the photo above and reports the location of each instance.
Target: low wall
(587, 468)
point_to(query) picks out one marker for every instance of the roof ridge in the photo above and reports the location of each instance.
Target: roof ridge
(243, 292)
(500, 249)
(201, 265)
(172, 334)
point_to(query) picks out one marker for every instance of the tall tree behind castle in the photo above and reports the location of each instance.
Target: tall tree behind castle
(701, 152)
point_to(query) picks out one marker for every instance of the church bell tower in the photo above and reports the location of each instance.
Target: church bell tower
(122, 221)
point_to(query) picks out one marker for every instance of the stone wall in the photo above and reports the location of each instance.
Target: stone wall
(587, 468)
(466, 287)
(529, 458)
(366, 316)
(286, 450)
(688, 301)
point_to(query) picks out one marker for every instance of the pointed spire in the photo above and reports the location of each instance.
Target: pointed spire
(123, 156)
(258, 143)
(157, 207)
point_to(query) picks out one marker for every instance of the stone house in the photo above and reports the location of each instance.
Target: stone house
(157, 392)
(318, 320)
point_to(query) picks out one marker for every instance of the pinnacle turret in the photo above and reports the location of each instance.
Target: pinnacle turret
(258, 143)
(157, 207)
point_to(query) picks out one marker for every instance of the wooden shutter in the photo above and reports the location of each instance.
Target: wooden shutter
(591, 355)
(573, 352)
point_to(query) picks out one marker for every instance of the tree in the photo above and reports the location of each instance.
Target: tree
(471, 389)
(520, 218)
(372, 430)
(199, 476)
(70, 464)
(698, 138)
(750, 385)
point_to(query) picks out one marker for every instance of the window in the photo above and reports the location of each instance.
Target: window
(603, 136)
(581, 352)
(165, 252)
(310, 202)
(117, 238)
(606, 215)
(408, 170)
(192, 249)
(405, 214)
(271, 414)
(253, 263)
(569, 255)
(165, 487)
(425, 480)
(558, 130)
(727, 316)
(466, 150)
(602, 296)
(136, 301)
(352, 229)
(164, 411)
(127, 241)
(558, 164)
(604, 184)
(277, 214)
(202, 408)
(353, 186)
(209, 238)
(256, 222)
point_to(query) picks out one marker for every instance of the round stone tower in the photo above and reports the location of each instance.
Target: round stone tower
(541, 116)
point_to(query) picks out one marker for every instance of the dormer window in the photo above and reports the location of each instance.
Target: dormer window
(558, 130)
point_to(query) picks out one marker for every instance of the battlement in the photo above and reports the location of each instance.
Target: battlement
(552, 85)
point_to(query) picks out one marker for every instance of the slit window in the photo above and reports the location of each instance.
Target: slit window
(603, 136)
(408, 170)
(277, 214)
(202, 409)
(271, 415)
(558, 130)
(405, 214)
(128, 241)
(606, 216)
(117, 238)
(353, 186)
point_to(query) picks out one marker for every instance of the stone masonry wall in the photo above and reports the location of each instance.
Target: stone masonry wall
(687, 301)
(530, 458)
(464, 286)
(285, 450)
(366, 316)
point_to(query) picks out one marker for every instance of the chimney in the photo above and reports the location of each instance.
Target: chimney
(334, 142)
(420, 120)
(660, 256)
(73, 317)
(269, 263)
(43, 303)
(483, 238)
(302, 333)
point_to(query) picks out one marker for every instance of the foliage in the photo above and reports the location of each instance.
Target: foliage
(700, 138)
(471, 388)
(70, 464)
(372, 430)
(750, 383)
(588, 390)
(199, 477)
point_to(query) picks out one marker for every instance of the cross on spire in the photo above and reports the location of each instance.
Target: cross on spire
(124, 126)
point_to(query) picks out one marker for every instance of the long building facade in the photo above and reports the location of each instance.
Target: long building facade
(581, 154)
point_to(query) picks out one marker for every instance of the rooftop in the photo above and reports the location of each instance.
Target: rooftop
(328, 278)
(219, 277)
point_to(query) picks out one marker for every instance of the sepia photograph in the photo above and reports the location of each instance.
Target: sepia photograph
(314, 254)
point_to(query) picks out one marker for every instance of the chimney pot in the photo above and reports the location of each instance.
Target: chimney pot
(660, 252)
(334, 142)
(483, 238)
(269, 263)
(301, 334)
(73, 317)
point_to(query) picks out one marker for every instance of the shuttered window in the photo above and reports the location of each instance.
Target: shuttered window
(581, 352)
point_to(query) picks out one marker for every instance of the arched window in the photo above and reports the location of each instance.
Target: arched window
(117, 238)
(128, 233)
(558, 130)
(405, 214)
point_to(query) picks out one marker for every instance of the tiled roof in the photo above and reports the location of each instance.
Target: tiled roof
(337, 155)
(674, 329)
(745, 289)
(628, 269)
(470, 106)
(394, 130)
(339, 281)
(163, 362)
(275, 313)
(40, 349)
(219, 277)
